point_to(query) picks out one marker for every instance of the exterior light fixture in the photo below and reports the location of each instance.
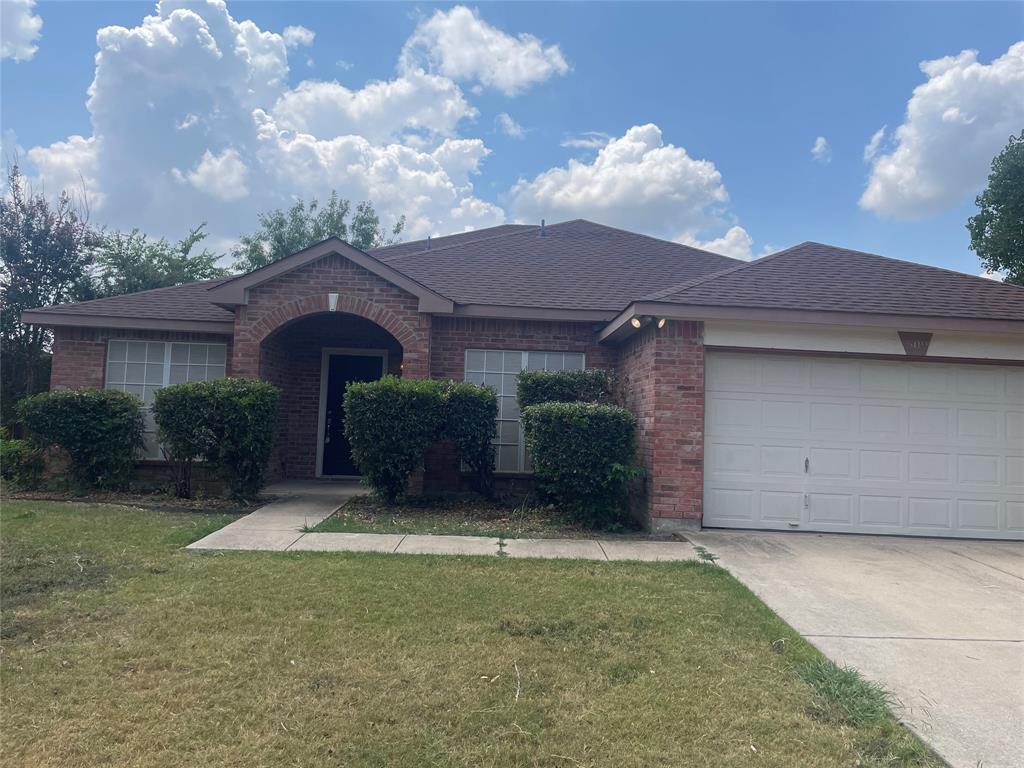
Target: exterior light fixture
(332, 302)
(636, 322)
(661, 322)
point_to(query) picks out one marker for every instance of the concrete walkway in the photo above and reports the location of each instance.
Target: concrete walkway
(280, 525)
(938, 622)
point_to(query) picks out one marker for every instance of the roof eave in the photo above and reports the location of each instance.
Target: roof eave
(620, 327)
(68, 319)
(236, 291)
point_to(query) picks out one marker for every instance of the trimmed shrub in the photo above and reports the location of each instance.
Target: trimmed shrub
(390, 424)
(184, 420)
(471, 413)
(582, 458)
(228, 423)
(21, 462)
(592, 385)
(244, 417)
(99, 429)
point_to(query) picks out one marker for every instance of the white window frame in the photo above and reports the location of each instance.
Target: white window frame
(165, 379)
(522, 457)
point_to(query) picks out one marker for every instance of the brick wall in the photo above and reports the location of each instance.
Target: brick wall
(80, 354)
(661, 376)
(304, 292)
(291, 359)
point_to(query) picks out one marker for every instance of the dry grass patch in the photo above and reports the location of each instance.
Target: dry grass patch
(295, 659)
(458, 515)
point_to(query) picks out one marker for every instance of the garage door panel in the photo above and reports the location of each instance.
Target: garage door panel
(977, 514)
(1015, 471)
(782, 460)
(932, 513)
(884, 511)
(864, 446)
(883, 466)
(978, 470)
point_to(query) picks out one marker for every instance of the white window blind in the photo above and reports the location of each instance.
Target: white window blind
(142, 367)
(498, 369)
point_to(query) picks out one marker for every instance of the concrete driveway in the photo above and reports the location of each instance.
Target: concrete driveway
(939, 623)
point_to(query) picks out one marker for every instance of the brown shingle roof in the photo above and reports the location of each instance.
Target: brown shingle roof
(180, 302)
(814, 276)
(575, 265)
(419, 246)
(586, 266)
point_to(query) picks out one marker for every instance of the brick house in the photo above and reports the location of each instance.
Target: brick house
(814, 389)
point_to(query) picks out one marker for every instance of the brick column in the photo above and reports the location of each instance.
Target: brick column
(661, 373)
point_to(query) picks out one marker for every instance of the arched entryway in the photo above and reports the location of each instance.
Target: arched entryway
(311, 359)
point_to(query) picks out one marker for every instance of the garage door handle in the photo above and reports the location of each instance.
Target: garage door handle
(807, 465)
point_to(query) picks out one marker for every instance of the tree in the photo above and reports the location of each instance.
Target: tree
(130, 262)
(47, 252)
(997, 230)
(282, 233)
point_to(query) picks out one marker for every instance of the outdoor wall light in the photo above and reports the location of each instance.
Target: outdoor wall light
(332, 302)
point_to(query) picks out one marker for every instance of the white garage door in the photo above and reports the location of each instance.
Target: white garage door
(865, 446)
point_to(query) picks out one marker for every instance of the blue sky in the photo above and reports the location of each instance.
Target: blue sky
(700, 119)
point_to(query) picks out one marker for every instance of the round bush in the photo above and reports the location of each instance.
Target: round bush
(583, 458)
(390, 424)
(99, 429)
(21, 462)
(592, 385)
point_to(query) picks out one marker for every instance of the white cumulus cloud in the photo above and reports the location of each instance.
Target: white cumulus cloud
(20, 29)
(505, 123)
(587, 140)
(821, 151)
(457, 43)
(416, 101)
(636, 181)
(297, 36)
(874, 144)
(735, 243)
(955, 123)
(194, 120)
(221, 176)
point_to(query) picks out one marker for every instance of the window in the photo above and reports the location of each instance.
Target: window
(142, 367)
(498, 370)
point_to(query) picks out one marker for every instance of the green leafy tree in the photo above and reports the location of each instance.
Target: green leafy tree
(47, 255)
(130, 262)
(284, 232)
(997, 230)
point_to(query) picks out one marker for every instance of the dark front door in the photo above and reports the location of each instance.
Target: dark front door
(341, 369)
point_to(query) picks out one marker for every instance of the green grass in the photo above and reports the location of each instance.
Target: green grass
(462, 516)
(132, 652)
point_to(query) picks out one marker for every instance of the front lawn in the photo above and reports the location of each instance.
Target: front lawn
(461, 516)
(120, 649)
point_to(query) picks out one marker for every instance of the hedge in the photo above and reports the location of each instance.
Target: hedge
(592, 385)
(183, 414)
(99, 429)
(21, 462)
(228, 423)
(391, 423)
(470, 421)
(583, 458)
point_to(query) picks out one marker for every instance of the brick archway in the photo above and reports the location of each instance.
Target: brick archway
(412, 332)
(314, 305)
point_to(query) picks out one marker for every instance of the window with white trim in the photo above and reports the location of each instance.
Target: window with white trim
(498, 369)
(142, 367)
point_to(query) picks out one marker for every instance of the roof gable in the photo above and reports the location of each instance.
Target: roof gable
(234, 291)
